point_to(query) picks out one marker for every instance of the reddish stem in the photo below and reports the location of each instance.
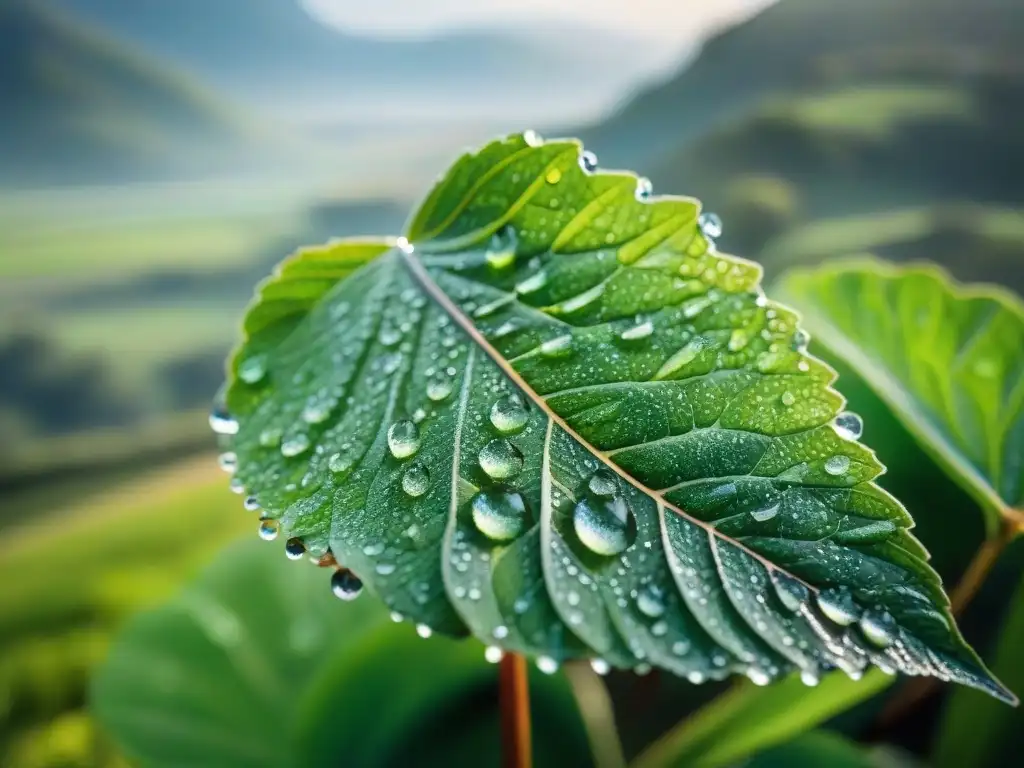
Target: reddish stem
(515, 712)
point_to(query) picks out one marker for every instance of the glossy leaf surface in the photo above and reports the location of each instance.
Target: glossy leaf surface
(947, 358)
(553, 416)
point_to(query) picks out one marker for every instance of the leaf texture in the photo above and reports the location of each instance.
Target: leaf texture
(553, 416)
(948, 359)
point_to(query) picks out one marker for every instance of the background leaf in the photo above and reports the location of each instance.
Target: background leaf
(558, 418)
(947, 358)
(256, 665)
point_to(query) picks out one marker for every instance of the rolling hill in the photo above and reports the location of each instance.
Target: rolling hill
(274, 52)
(79, 107)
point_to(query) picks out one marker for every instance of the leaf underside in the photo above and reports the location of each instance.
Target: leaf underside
(556, 418)
(948, 359)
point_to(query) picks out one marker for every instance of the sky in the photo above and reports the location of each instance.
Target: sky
(680, 20)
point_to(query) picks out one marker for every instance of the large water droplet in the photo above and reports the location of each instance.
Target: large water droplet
(604, 525)
(508, 415)
(638, 332)
(837, 465)
(765, 513)
(228, 461)
(838, 605)
(603, 482)
(346, 585)
(222, 422)
(295, 445)
(849, 425)
(553, 176)
(650, 599)
(440, 386)
(557, 347)
(644, 188)
(879, 627)
(588, 161)
(269, 529)
(251, 504)
(416, 480)
(547, 665)
(294, 549)
(253, 369)
(792, 592)
(403, 439)
(493, 654)
(788, 398)
(710, 225)
(499, 515)
(500, 459)
(501, 251)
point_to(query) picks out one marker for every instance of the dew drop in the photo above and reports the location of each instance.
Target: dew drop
(809, 678)
(763, 514)
(651, 601)
(557, 347)
(228, 461)
(404, 245)
(532, 138)
(533, 283)
(339, 463)
(801, 339)
(638, 332)
(253, 369)
(501, 251)
(374, 549)
(588, 161)
(644, 188)
(294, 445)
(604, 525)
(758, 676)
(424, 631)
(792, 593)
(837, 465)
(251, 504)
(600, 666)
(385, 569)
(294, 549)
(499, 515)
(416, 480)
(710, 225)
(270, 437)
(397, 617)
(838, 605)
(493, 654)
(878, 627)
(788, 398)
(403, 439)
(849, 425)
(222, 422)
(439, 387)
(603, 483)
(695, 677)
(236, 486)
(346, 585)
(269, 529)
(553, 176)
(500, 632)
(508, 415)
(500, 459)
(547, 665)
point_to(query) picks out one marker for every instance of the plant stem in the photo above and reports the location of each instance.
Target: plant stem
(598, 715)
(917, 690)
(515, 712)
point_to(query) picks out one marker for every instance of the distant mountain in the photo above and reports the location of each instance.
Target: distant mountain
(274, 51)
(78, 107)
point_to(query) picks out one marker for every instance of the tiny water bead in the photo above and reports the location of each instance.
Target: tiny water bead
(236, 486)
(346, 585)
(295, 445)
(849, 425)
(508, 414)
(251, 504)
(547, 665)
(416, 480)
(294, 549)
(440, 387)
(838, 605)
(837, 465)
(801, 339)
(222, 422)
(604, 525)
(500, 515)
(403, 439)
(253, 369)
(424, 631)
(638, 332)
(500, 459)
(650, 600)
(493, 654)
(269, 529)
(270, 437)
(501, 251)
(228, 461)
(710, 225)
(603, 483)
(588, 161)
(758, 676)
(600, 666)
(338, 463)
(644, 188)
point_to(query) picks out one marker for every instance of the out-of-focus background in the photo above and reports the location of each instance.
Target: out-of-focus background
(157, 157)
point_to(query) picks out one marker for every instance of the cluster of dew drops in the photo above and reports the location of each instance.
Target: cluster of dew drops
(602, 519)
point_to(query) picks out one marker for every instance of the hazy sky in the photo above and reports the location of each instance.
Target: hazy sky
(681, 20)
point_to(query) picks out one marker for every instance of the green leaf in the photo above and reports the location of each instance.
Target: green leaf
(816, 749)
(972, 731)
(948, 359)
(747, 720)
(256, 665)
(553, 416)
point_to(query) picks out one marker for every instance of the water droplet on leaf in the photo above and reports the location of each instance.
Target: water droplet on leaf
(849, 425)
(294, 549)
(557, 347)
(416, 480)
(268, 529)
(604, 525)
(493, 654)
(501, 251)
(588, 161)
(710, 225)
(253, 369)
(837, 465)
(346, 585)
(644, 188)
(222, 422)
(403, 439)
(638, 332)
(651, 601)
(792, 592)
(603, 483)
(508, 415)
(500, 515)
(547, 665)
(500, 459)
(228, 461)
(838, 605)
(295, 445)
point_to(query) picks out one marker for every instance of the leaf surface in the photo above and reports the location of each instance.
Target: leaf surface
(553, 416)
(948, 359)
